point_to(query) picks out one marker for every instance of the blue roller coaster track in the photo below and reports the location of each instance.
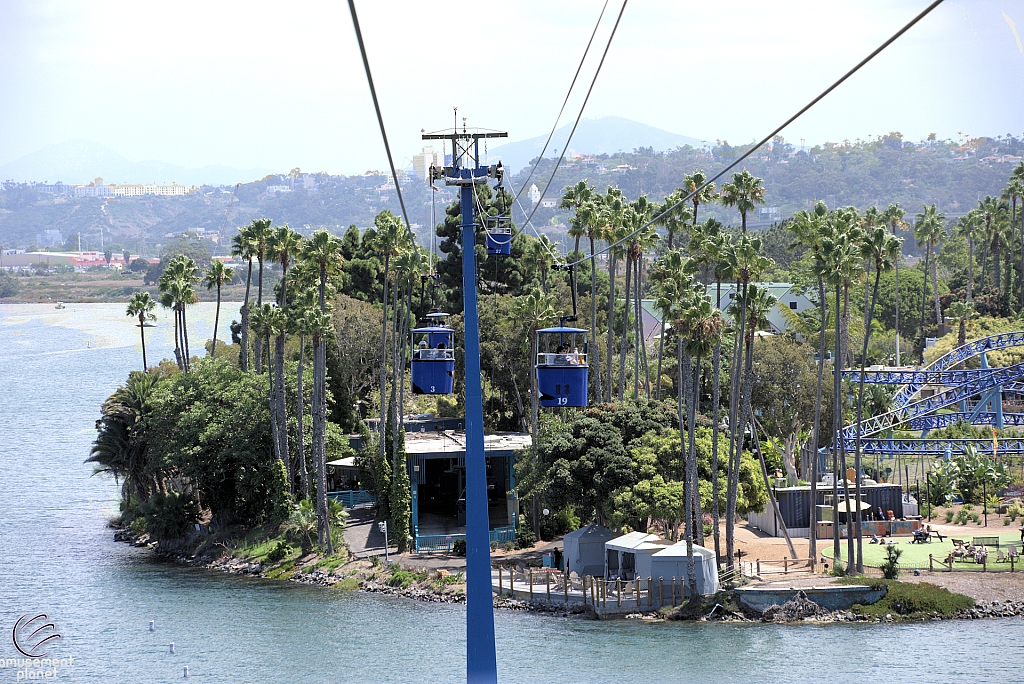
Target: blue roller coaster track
(976, 396)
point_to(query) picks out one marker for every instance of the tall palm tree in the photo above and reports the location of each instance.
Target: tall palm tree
(141, 306)
(969, 228)
(674, 268)
(1014, 191)
(260, 232)
(217, 275)
(744, 262)
(389, 240)
(708, 195)
(930, 228)
(881, 248)
(177, 285)
(745, 192)
(536, 310)
(894, 215)
(244, 247)
(614, 209)
(302, 311)
(702, 326)
(323, 251)
(575, 198)
(590, 215)
(672, 218)
(807, 230)
(120, 448)
(267, 320)
(283, 246)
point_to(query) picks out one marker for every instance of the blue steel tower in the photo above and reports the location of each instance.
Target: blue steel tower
(467, 173)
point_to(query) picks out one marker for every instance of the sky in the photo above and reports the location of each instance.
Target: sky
(281, 85)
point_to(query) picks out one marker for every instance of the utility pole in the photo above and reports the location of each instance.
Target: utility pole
(466, 173)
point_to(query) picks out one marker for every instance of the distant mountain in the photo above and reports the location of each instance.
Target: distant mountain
(607, 135)
(80, 161)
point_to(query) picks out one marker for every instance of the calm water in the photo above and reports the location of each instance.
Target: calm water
(57, 556)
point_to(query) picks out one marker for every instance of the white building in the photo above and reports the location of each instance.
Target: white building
(533, 193)
(422, 162)
(140, 189)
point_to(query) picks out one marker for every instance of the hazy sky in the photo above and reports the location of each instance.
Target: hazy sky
(281, 84)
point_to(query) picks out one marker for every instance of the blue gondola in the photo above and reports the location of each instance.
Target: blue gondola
(562, 369)
(433, 358)
(499, 235)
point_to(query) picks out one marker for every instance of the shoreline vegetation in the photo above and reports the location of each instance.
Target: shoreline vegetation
(904, 601)
(234, 444)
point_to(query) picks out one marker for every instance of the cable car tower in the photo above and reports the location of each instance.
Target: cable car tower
(466, 173)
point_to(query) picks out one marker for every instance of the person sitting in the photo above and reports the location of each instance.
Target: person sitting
(874, 539)
(574, 357)
(981, 555)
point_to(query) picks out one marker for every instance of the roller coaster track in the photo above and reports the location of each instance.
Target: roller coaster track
(936, 447)
(993, 377)
(941, 420)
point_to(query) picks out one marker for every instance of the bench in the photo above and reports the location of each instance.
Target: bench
(985, 541)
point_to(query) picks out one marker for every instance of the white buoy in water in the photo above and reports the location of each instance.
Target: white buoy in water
(172, 647)
(185, 673)
(152, 627)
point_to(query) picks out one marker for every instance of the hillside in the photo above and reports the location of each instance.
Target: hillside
(860, 174)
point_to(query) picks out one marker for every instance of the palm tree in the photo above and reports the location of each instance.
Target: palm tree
(881, 249)
(284, 245)
(590, 215)
(576, 197)
(807, 228)
(141, 306)
(389, 240)
(217, 275)
(243, 246)
(301, 311)
(989, 208)
(536, 310)
(742, 261)
(176, 284)
(674, 268)
(120, 448)
(961, 312)
(969, 227)
(260, 232)
(672, 218)
(702, 326)
(1015, 190)
(614, 208)
(930, 227)
(706, 196)
(268, 320)
(745, 192)
(323, 250)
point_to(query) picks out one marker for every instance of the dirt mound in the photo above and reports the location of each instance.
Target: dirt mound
(794, 610)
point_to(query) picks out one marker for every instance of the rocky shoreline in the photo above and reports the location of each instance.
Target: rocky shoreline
(365, 576)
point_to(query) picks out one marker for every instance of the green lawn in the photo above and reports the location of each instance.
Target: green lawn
(916, 555)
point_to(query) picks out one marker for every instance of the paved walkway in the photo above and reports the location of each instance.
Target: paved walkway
(361, 533)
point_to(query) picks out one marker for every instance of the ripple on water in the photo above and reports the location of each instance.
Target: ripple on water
(57, 555)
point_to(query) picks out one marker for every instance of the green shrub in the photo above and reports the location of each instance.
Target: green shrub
(949, 516)
(459, 547)
(509, 546)
(975, 518)
(405, 578)
(890, 567)
(278, 552)
(917, 599)
(172, 515)
(963, 516)
(525, 538)
(1006, 521)
(138, 526)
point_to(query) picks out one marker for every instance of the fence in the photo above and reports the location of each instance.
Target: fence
(1006, 563)
(785, 566)
(350, 498)
(639, 593)
(426, 543)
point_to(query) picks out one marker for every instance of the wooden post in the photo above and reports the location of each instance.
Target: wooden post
(930, 568)
(593, 591)
(566, 588)
(650, 594)
(759, 567)
(661, 591)
(673, 590)
(618, 592)
(531, 584)
(547, 580)
(984, 563)
(500, 587)
(604, 592)
(785, 565)
(1011, 563)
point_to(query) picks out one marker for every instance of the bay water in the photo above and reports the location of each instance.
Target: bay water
(58, 557)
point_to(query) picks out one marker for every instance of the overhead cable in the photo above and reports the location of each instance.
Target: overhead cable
(564, 102)
(593, 81)
(380, 119)
(771, 135)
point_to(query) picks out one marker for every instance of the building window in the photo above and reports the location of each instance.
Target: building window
(792, 305)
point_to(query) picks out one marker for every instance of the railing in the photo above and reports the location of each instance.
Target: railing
(426, 543)
(786, 566)
(434, 354)
(569, 359)
(350, 498)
